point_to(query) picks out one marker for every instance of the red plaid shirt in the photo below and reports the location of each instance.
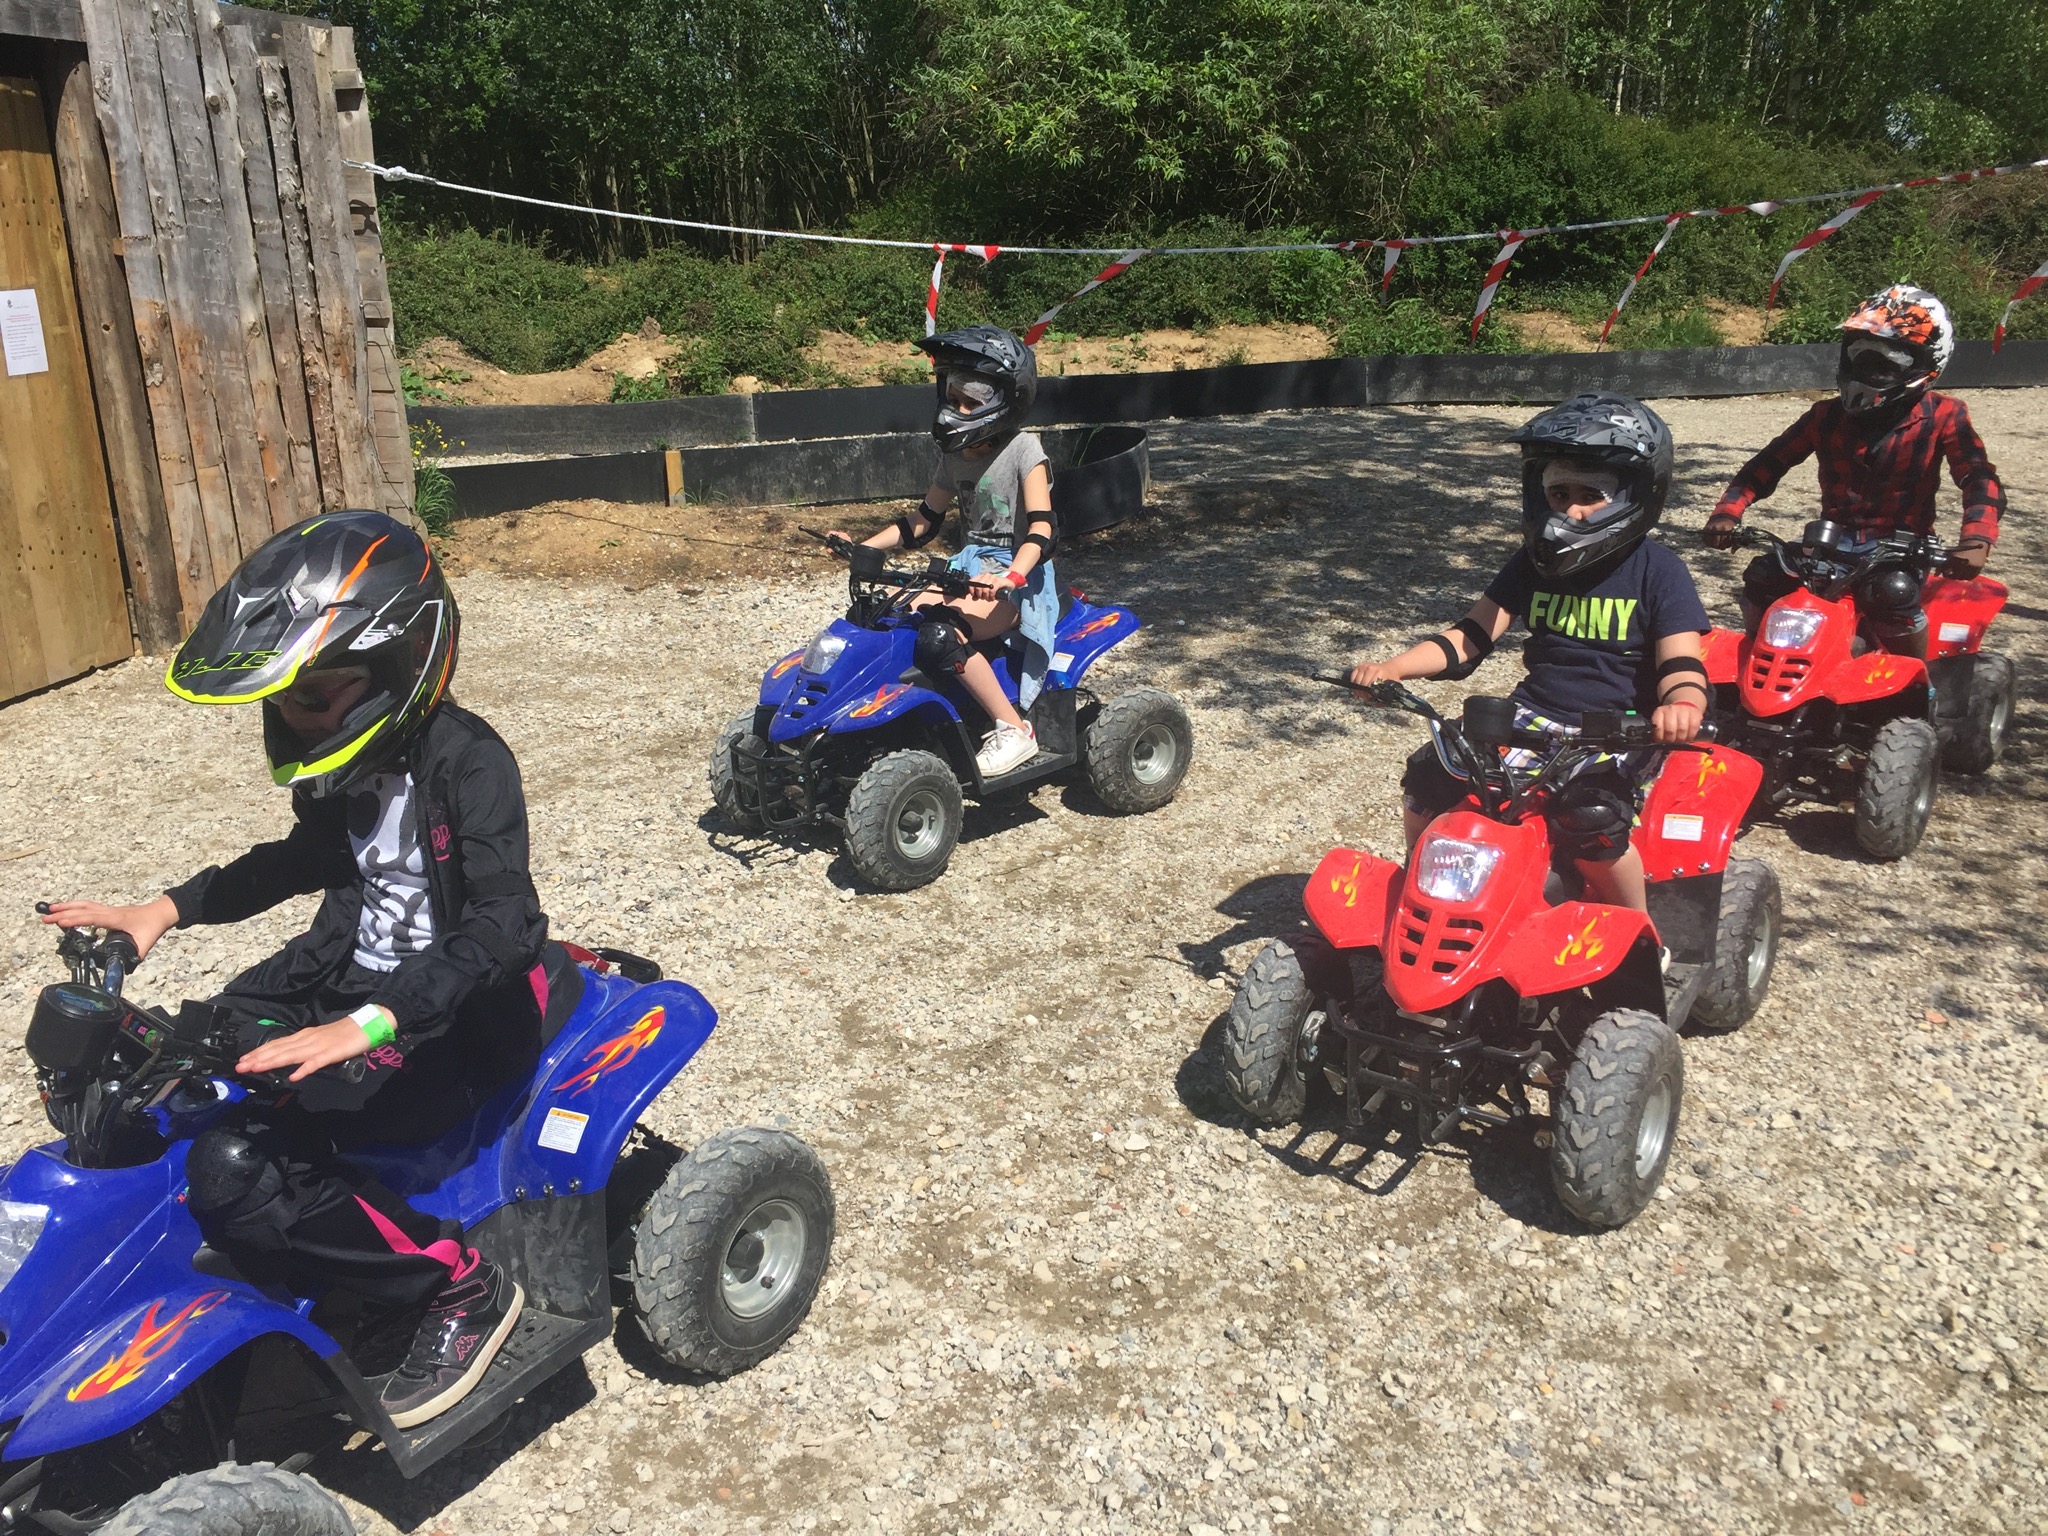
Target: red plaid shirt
(1878, 483)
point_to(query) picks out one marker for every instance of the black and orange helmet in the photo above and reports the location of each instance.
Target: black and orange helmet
(349, 590)
(1894, 344)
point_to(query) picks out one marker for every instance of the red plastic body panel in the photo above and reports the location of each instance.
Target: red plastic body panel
(1351, 896)
(1776, 682)
(1694, 810)
(1570, 945)
(1958, 613)
(1437, 951)
(1874, 675)
(1724, 652)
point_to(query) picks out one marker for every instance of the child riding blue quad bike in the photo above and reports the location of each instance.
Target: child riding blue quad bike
(370, 1182)
(874, 730)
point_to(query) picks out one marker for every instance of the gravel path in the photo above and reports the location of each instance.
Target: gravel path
(1070, 1291)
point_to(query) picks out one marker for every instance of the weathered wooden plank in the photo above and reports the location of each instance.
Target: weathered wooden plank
(273, 269)
(391, 441)
(177, 435)
(239, 258)
(203, 269)
(110, 344)
(60, 20)
(312, 340)
(60, 572)
(331, 247)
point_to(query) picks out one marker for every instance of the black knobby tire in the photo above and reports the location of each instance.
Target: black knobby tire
(1745, 947)
(728, 1257)
(740, 807)
(1263, 1065)
(231, 1500)
(903, 820)
(1989, 693)
(1895, 795)
(1137, 751)
(1616, 1117)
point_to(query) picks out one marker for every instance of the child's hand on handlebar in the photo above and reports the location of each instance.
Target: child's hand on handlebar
(308, 1050)
(145, 923)
(1368, 673)
(1722, 531)
(1966, 561)
(1677, 721)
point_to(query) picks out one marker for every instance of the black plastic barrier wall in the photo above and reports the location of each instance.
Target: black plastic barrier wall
(824, 445)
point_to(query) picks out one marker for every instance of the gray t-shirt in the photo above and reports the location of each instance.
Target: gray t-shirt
(398, 916)
(991, 491)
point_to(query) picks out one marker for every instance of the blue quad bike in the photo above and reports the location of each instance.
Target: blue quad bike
(148, 1386)
(850, 737)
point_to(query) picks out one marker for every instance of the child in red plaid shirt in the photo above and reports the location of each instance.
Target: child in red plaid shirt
(1881, 445)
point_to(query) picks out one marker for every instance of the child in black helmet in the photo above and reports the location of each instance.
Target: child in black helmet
(1614, 623)
(999, 474)
(424, 957)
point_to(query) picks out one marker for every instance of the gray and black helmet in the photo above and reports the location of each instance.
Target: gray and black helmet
(1614, 433)
(991, 362)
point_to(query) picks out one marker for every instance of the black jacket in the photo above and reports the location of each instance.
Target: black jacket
(488, 927)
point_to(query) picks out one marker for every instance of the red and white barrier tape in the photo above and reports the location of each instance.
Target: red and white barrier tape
(2038, 277)
(931, 299)
(1494, 273)
(1826, 231)
(1670, 223)
(1115, 269)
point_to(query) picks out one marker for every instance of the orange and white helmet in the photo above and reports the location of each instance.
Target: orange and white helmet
(1895, 344)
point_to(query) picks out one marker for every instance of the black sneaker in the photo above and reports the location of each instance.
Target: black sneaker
(456, 1342)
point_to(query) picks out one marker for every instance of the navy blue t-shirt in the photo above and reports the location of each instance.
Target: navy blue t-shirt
(1593, 644)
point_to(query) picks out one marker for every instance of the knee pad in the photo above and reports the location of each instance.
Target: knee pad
(1764, 581)
(1592, 823)
(1891, 592)
(941, 641)
(228, 1174)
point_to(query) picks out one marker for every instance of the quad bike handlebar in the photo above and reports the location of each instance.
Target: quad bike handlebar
(1827, 559)
(878, 587)
(1472, 746)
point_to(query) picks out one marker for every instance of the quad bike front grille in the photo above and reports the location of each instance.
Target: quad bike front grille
(1775, 672)
(1441, 943)
(801, 704)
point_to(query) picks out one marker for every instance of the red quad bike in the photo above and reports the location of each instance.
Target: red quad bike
(1832, 718)
(1444, 991)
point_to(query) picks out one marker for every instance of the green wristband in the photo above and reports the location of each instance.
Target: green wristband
(377, 1025)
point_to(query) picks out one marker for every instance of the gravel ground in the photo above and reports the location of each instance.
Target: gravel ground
(1070, 1291)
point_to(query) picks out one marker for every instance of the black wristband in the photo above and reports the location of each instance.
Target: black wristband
(1665, 696)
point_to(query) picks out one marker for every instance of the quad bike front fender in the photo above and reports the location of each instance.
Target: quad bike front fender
(777, 681)
(888, 702)
(1959, 612)
(1351, 898)
(126, 1370)
(1694, 810)
(1724, 653)
(1879, 675)
(1088, 632)
(1573, 945)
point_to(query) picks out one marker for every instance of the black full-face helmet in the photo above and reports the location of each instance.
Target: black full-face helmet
(1603, 431)
(349, 592)
(993, 367)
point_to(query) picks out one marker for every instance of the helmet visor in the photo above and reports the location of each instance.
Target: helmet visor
(969, 394)
(1577, 490)
(1877, 364)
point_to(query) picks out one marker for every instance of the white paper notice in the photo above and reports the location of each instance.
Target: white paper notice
(21, 332)
(562, 1131)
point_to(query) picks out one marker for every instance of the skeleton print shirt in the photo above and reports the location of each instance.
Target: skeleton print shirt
(383, 828)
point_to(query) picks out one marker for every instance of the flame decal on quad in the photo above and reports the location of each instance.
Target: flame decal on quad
(1711, 769)
(1586, 944)
(1095, 626)
(1346, 885)
(615, 1052)
(880, 701)
(151, 1340)
(785, 664)
(1880, 669)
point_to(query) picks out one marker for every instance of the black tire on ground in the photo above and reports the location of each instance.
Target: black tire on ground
(1895, 795)
(1137, 751)
(1745, 947)
(728, 1257)
(1616, 1117)
(741, 808)
(231, 1500)
(903, 820)
(1263, 1064)
(1988, 697)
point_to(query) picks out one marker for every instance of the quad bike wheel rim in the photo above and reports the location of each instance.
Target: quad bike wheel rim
(1923, 799)
(762, 1261)
(1653, 1131)
(1757, 964)
(920, 825)
(2001, 715)
(1154, 753)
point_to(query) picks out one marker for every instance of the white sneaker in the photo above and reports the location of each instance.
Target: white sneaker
(1008, 747)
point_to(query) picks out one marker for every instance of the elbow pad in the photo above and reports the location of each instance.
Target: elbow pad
(934, 522)
(1477, 641)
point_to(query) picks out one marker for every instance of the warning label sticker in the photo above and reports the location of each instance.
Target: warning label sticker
(562, 1131)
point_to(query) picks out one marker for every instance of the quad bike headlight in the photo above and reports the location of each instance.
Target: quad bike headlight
(1451, 869)
(1792, 629)
(822, 652)
(20, 1226)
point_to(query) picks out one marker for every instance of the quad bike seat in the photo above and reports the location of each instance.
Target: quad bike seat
(565, 989)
